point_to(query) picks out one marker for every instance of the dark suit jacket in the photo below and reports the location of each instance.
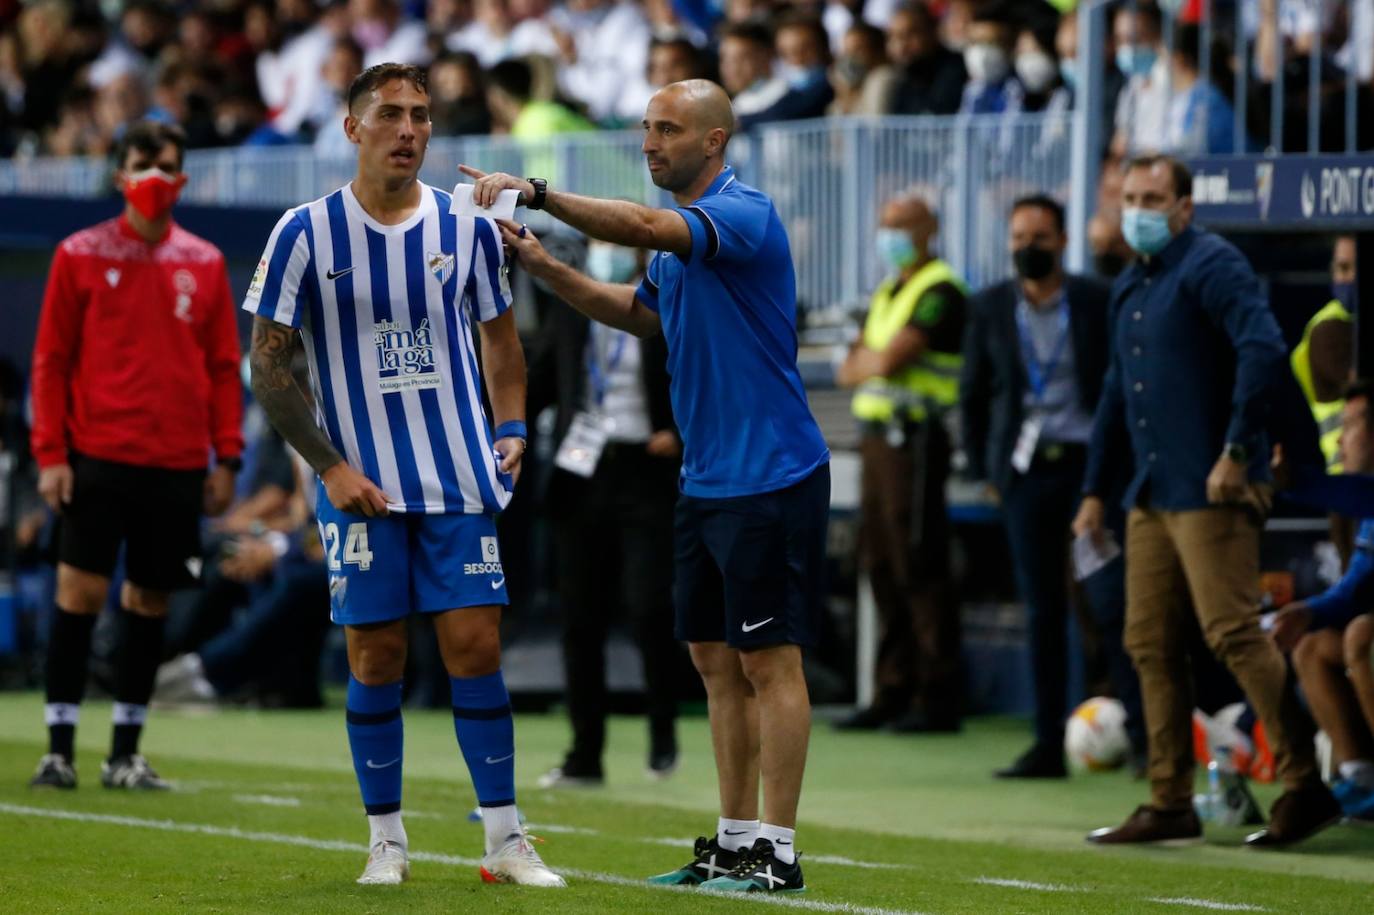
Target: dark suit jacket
(557, 377)
(993, 385)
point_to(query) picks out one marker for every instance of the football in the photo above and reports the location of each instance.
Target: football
(1095, 736)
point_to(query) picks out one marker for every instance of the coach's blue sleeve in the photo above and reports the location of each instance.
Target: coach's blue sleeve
(727, 227)
(275, 290)
(648, 286)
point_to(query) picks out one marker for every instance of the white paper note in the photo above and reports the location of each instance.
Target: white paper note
(504, 208)
(1090, 557)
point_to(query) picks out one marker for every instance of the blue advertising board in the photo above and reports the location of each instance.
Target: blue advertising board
(1261, 193)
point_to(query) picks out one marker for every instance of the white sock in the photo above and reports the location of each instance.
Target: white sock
(736, 835)
(386, 827)
(1359, 772)
(499, 823)
(782, 839)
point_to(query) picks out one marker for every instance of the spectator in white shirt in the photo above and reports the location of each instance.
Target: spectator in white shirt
(603, 48)
(494, 35)
(1142, 107)
(386, 36)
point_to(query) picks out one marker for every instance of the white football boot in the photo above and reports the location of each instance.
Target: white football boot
(516, 861)
(387, 865)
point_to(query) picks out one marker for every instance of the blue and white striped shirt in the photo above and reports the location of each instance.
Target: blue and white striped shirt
(385, 313)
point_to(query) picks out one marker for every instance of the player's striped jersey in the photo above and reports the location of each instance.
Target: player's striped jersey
(386, 316)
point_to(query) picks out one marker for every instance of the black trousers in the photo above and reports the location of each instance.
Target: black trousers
(615, 551)
(1038, 508)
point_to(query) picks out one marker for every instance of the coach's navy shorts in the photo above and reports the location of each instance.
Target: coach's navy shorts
(751, 569)
(383, 569)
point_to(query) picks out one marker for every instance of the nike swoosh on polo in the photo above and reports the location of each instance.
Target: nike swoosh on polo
(492, 762)
(373, 765)
(334, 275)
(750, 627)
(497, 584)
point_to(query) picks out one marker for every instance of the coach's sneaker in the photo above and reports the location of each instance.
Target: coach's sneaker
(132, 772)
(760, 871)
(711, 861)
(387, 865)
(516, 861)
(54, 771)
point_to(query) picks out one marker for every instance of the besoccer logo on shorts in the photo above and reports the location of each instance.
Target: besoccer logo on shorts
(405, 357)
(491, 559)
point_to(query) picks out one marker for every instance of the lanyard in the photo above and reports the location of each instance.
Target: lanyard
(1040, 373)
(598, 378)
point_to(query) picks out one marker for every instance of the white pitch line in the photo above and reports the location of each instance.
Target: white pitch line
(1010, 883)
(1209, 904)
(231, 832)
(268, 800)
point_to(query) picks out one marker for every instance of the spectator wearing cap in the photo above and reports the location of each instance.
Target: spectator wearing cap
(930, 77)
(1197, 363)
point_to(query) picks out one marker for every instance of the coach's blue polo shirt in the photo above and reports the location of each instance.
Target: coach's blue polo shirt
(729, 314)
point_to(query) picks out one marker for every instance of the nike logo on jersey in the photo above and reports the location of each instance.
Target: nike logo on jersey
(373, 765)
(492, 762)
(750, 627)
(498, 583)
(335, 274)
(112, 277)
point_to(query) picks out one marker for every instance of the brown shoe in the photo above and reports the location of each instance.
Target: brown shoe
(1150, 825)
(1296, 815)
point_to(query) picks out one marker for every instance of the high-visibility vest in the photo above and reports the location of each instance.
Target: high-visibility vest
(1328, 413)
(928, 385)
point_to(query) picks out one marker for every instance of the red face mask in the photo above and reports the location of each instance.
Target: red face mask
(153, 192)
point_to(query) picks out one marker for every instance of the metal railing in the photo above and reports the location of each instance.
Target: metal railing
(828, 178)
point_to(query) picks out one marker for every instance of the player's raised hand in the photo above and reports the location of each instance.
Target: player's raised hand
(350, 491)
(487, 187)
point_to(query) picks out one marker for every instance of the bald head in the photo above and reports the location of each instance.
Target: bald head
(705, 105)
(910, 213)
(687, 126)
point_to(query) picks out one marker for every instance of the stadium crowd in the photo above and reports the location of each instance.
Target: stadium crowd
(265, 72)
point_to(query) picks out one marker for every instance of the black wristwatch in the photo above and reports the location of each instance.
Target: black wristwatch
(1237, 452)
(541, 191)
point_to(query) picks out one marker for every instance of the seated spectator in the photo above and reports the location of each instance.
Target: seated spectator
(746, 71)
(1201, 120)
(803, 51)
(494, 35)
(340, 68)
(514, 110)
(603, 48)
(930, 77)
(992, 87)
(671, 60)
(385, 35)
(1142, 106)
(862, 77)
(1037, 70)
(1331, 635)
(457, 99)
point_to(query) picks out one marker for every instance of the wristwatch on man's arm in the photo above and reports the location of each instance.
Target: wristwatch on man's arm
(541, 193)
(1237, 452)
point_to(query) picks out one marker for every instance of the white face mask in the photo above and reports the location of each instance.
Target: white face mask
(986, 63)
(609, 263)
(1036, 70)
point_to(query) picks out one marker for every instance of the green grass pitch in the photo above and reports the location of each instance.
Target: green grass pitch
(266, 818)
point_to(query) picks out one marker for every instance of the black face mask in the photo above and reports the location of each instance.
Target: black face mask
(1033, 263)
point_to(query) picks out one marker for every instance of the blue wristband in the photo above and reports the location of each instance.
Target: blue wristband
(514, 428)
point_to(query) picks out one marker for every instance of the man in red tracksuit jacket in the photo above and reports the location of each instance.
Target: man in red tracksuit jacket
(135, 381)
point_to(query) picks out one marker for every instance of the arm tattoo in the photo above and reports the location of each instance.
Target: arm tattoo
(270, 357)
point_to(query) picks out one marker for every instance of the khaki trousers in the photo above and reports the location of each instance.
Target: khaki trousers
(1209, 559)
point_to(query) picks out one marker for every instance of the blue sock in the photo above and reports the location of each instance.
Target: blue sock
(486, 735)
(375, 737)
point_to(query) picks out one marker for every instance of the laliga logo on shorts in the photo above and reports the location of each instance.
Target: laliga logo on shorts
(491, 559)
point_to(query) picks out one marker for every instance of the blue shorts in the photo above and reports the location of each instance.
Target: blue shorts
(384, 569)
(751, 569)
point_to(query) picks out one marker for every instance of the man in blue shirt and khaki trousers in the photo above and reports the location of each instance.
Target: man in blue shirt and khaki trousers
(751, 520)
(1196, 350)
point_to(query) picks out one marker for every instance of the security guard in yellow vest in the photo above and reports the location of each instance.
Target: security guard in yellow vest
(1322, 363)
(905, 368)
